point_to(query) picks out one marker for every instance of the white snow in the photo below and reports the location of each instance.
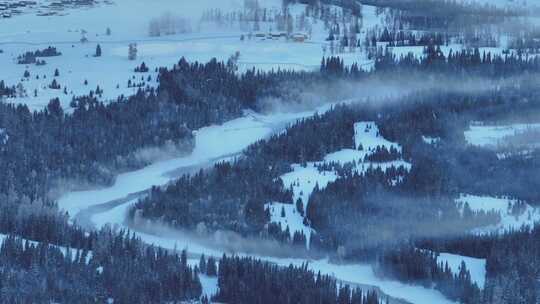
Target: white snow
(304, 178)
(363, 274)
(492, 136)
(292, 219)
(212, 144)
(119, 212)
(504, 3)
(367, 138)
(209, 285)
(528, 216)
(128, 21)
(219, 141)
(431, 140)
(475, 266)
(4, 137)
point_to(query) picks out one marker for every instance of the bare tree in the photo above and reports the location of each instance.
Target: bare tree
(132, 51)
(168, 24)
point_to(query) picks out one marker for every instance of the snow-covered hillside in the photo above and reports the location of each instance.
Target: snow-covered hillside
(493, 136)
(209, 148)
(125, 21)
(476, 267)
(304, 178)
(513, 214)
(96, 43)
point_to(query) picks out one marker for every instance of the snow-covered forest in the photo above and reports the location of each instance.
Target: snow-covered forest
(270, 151)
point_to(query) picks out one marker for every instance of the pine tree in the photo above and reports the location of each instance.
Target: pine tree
(202, 264)
(98, 51)
(211, 268)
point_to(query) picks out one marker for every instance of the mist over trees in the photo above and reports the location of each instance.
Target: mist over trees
(397, 219)
(168, 24)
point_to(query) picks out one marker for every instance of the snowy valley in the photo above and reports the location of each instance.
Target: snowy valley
(269, 151)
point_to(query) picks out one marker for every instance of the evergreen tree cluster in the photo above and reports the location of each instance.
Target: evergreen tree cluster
(7, 91)
(32, 57)
(400, 37)
(40, 221)
(463, 63)
(250, 281)
(512, 267)
(119, 268)
(97, 140)
(414, 266)
(232, 195)
(447, 15)
(214, 92)
(48, 147)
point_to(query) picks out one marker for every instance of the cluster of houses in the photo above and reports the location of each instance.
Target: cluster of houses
(296, 37)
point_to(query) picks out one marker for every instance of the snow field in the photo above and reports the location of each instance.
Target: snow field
(128, 21)
(527, 216)
(493, 136)
(476, 267)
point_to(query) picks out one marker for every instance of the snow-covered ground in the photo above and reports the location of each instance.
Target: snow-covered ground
(528, 215)
(211, 145)
(431, 140)
(476, 267)
(363, 274)
(291, 219)
(129, 21)
(367, 138)
(209, 285)
(493, 136)
(303, 179)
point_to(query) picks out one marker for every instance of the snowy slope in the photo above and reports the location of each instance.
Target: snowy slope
(129, 22)
(363, 274)
(292, 219)
(367, 138)
(209, 144)
(476, 267)
(528, 216)
(492, 136)
(303, 179)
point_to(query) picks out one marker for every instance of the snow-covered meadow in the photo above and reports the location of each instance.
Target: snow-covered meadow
(495, 135)
(123, 22)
